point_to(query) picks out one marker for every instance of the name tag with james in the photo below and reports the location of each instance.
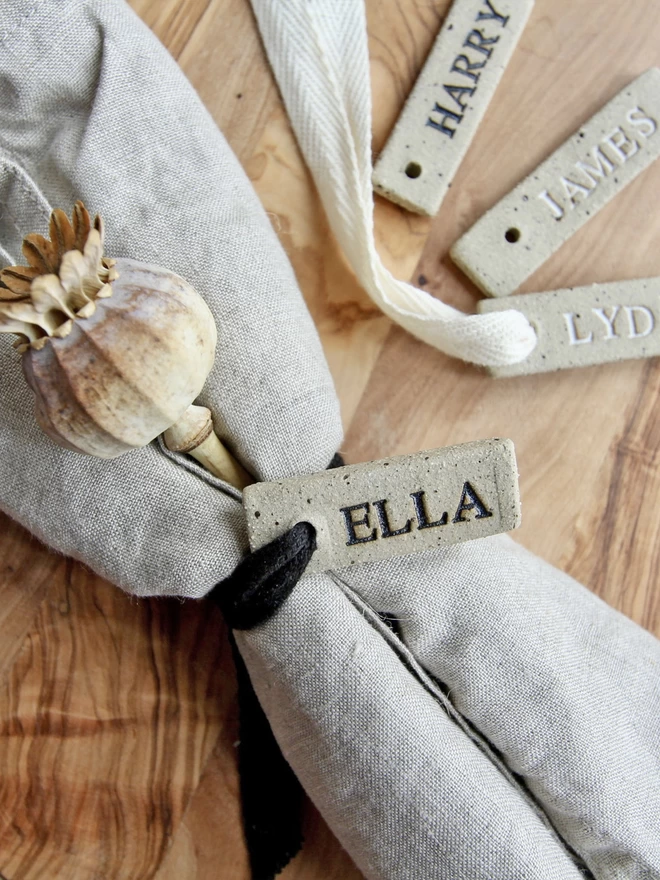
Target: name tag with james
(448, 101)
(528, 225)
(582, 326)
(394, 507)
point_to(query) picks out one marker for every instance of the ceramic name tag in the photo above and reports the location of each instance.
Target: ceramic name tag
(515, 237)
(582, 326)
(393, 507)
(448, 101)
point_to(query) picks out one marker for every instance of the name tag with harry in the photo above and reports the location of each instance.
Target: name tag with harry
(393, 507)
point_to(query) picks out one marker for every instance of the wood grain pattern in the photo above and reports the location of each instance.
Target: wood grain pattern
(117, 717)
(22, 587)
(109, 712)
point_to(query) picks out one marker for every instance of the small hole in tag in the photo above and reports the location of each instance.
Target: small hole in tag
(413, 170)
(512, 235)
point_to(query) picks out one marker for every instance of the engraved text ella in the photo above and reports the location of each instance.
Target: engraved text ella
(361, 527)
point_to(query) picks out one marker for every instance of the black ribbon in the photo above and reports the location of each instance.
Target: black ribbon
(271, 794)
(263, 580)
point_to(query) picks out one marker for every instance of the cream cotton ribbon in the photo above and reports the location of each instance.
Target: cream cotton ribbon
(318, 51)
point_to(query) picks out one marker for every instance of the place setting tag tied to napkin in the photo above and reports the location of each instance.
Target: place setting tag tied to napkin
(393, 507)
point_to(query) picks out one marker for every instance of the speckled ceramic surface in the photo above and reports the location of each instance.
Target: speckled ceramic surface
(581, 326)
(515, 237)
(395, 506)
(451, 95)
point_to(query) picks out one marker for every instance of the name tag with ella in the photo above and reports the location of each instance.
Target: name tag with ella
(583, 326)
(393, 507)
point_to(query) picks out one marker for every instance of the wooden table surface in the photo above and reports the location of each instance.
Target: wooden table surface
(117, 716)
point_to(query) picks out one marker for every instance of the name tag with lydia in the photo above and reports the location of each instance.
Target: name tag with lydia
(582, 326)
(528, 225)
(393, 507)
(448, 101)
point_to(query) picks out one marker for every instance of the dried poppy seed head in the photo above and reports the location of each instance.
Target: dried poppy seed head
(115, 351)
(64, 278)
